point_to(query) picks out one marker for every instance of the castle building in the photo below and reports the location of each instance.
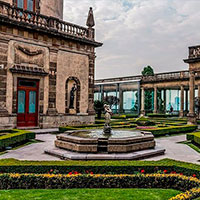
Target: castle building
(46, 66)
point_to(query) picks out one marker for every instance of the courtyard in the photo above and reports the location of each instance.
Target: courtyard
(78, 121)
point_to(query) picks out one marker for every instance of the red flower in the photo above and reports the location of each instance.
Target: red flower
(70, 173)
(51, 170)
(173, 172)
(75, 172)
(194, 175)
(181, 173)
(165, 171)
(91, 173)
(142, 171)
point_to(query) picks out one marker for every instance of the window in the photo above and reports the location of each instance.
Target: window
(26, 4)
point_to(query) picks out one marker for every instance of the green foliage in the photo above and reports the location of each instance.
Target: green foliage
(99, 108)
(148, 71)
(144, 121)
(51, 181)
(172, 130)
(194, 137)
(15, 137)
(98, 167)
(158, 115)
(190, 136)
(197, 138)
(119, 117)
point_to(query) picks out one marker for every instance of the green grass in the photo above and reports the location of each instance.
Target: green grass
(84, 194)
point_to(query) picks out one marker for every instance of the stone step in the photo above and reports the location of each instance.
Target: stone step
(138, 155)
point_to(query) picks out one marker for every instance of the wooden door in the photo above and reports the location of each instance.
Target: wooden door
(27, 103)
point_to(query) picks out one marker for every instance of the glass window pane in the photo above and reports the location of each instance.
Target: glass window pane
(20, 3)
(30, 5)
(32, 102)
(21, 101)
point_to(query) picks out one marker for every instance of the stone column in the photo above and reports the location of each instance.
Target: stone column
(91, 110)
(199, 91)
(142, 112)
(191, 115)
(186, 100)
(155, 100)
(52, 81)
(164, 99)
(181, 113)
(121, 101)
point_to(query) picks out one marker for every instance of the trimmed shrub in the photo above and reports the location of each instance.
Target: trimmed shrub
(119, 117)
(157, 115)
(17, 136)
(197, 138)
(190, 136)
(98, 167)
(52, 181)
(172, 130)
(144, 121)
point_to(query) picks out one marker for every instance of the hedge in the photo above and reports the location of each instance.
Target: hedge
(197, 138)
(194, 137)
(52, 181)
(172, 130)
(14, 137)
(102, 167)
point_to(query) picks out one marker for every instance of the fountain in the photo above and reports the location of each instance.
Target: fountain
(107, 144)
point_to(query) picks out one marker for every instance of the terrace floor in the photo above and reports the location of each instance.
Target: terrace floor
(174, 150)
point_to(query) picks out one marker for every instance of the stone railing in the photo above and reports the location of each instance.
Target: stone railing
(166, 76)
(41, 21)
(118, 79)
(194, 52)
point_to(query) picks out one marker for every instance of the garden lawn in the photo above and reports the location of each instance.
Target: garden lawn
(88, 194)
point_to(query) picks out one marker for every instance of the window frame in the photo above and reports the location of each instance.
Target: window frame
(26, 5)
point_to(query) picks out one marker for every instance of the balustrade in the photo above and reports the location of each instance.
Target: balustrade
(34, 19)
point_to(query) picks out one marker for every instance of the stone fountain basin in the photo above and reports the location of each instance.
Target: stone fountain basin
(94, 141)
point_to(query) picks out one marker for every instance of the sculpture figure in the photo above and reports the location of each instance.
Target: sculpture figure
(72, 95)
(108, 113)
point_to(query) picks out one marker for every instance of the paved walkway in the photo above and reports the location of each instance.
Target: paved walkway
(174, 150)
(177, 151)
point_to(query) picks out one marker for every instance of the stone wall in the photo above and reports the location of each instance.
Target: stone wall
(52, 8)
(72, 65)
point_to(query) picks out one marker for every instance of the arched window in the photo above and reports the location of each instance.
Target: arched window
(26, 4)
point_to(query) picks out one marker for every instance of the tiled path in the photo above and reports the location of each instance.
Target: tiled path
(173, 150)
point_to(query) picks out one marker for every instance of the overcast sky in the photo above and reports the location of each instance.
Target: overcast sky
(137, 33)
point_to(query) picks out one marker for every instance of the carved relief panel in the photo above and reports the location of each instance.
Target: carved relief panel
(31, 55)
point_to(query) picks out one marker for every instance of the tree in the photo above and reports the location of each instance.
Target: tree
(111, 101)
(99, 108)
(148, 71)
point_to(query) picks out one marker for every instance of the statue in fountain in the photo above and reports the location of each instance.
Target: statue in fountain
(108, 112)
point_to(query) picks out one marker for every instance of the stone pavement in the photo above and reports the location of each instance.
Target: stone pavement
(174, 150)
(177, 151)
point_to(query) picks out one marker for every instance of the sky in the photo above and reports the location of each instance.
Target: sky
(137, 33)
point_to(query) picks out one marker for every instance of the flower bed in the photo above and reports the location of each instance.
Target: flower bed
(189, 185)
(102, 167)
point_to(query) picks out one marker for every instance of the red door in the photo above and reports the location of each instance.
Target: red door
(27, 103)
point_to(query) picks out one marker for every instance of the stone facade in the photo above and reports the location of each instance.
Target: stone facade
(40, 50)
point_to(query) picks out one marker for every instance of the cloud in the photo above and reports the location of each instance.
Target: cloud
(137, 33)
